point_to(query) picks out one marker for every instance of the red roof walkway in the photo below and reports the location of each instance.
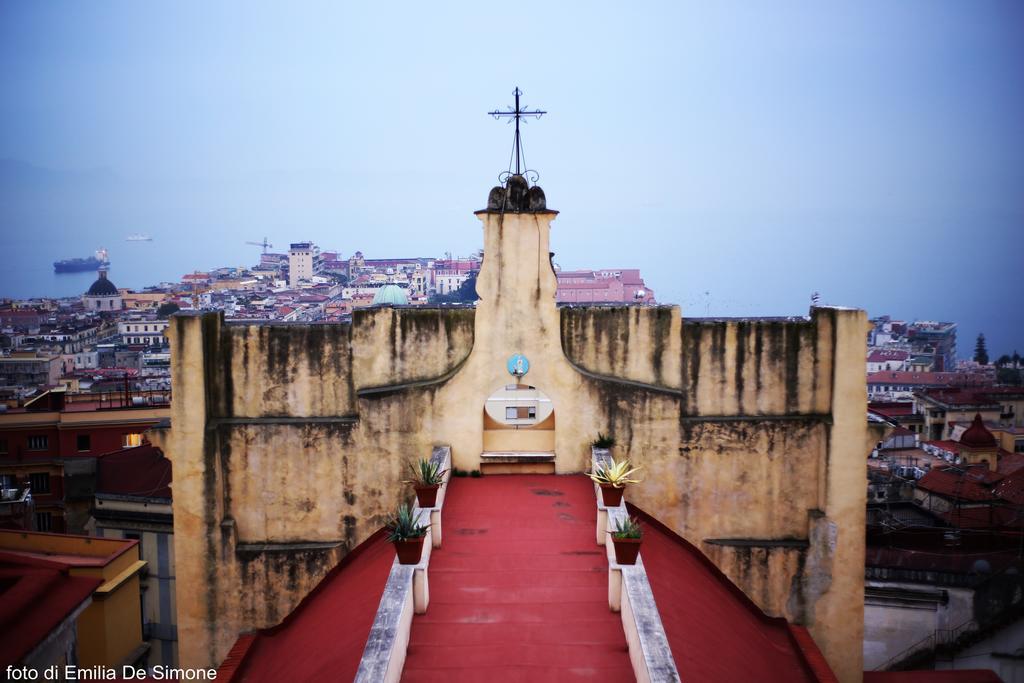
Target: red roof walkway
(519, 589)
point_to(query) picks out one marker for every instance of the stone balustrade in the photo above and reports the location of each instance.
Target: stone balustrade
(629, 593)
(407, 591)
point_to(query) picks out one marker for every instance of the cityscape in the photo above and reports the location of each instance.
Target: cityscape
(308, 372)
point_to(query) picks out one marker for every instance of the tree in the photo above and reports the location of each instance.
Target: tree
(1002, 361)
(465, 294)
(167, 309)
(980, 352)
(1016, 359)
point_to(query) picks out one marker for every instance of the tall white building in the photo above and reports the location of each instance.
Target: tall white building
(303, 262)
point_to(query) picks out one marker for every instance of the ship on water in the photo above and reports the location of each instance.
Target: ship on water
(138, 237)
(78, 265)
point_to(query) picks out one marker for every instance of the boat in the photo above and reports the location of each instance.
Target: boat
(78, 265)
(138, 237)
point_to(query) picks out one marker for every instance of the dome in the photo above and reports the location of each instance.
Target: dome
(102, 286)
(977, 435)
(390, 294)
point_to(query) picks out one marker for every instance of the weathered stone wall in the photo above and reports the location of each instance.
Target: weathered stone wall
(741, 451)
(290, 442)
(401, 346)
(279, 370)
(280, 466)
(638, 343)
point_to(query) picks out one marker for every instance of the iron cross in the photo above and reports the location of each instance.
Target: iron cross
(516, 114)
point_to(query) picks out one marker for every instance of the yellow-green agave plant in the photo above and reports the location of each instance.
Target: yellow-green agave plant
(615, 474)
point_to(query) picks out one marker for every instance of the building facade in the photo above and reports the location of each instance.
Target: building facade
(304, 262)
(752, 434)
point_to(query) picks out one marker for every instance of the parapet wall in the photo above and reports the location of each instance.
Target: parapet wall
(766, 366)
(280, 467)
(290, 443)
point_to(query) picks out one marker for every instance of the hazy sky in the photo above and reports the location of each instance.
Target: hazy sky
(741, 154)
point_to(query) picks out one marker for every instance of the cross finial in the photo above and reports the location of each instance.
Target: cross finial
(517, 144)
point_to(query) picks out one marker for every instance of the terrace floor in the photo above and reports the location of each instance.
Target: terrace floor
(519, 589)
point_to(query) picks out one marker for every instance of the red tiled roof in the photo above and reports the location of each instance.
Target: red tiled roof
(944, 561)
(141, 471)
(958, 485)
(715, 631)
(520, 587)
(899, 409)
(977, 436)
(985, 517)
(880, 355)
(978, 396)
(329, 627)
(1010, 462)
(1011, 488)
(952, 676)
(38, 596)
(917, 379)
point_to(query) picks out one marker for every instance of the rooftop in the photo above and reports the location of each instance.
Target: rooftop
(36, 596)
(519, 592)
(142, 471)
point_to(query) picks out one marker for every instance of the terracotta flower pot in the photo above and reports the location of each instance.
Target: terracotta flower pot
(626, 549)
(611, 496)
(426, 496)
(409, 550)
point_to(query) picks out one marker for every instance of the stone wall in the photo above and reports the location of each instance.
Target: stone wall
(290, 442)
(280, 466)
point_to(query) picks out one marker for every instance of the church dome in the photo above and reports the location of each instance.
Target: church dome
(102, 286)
(390, 294)
(977, 435)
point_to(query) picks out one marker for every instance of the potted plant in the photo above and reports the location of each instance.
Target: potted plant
(612, 478)
(626, 537)
(405, 531)
(427, 478)
(603, 442)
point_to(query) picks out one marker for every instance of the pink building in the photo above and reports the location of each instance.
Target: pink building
(612, 285)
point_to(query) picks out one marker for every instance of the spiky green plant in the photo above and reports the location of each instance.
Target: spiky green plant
(404, 525)
(426, 473)
(615, 474)
(603, 441)
(628, 527)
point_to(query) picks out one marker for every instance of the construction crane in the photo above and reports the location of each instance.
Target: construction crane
(265, 244)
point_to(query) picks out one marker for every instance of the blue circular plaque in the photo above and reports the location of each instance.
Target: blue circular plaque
(518, 365)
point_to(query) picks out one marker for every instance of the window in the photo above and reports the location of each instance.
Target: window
(40, 482)
(520, 413)
(7, 481)
(38, 443)
(83, 442)
(131, 440)
(44, 521)
(134, 536)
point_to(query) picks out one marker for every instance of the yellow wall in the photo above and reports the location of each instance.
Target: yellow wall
(110, 628)
(290, 442)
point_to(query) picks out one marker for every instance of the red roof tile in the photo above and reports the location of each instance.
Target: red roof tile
(38, 596)
(329, 627)
(985, 517)
(715, 631)
(962, 485)
(881, 355)
(954, 676)
(977, 436)
(141, 471)
(1011, 488)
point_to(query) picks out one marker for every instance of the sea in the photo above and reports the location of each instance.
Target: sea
(28, 271)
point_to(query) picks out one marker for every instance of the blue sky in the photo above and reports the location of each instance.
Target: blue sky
(742, 155)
